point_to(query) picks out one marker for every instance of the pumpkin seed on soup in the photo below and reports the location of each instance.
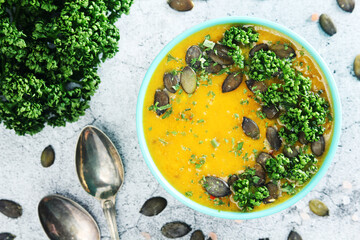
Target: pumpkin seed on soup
(319, 208)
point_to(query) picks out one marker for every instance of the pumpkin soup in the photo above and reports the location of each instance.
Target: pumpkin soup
(238, 118)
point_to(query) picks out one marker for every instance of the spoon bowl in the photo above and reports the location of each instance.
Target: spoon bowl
(64, 219)
(100, 171)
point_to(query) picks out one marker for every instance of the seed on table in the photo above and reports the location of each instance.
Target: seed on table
(175, 229)
(294, 236)
(7, 236)
(48, 156)
(327, 24)
(346, 5)
(181, 5)
(10, 208)
(357, 66)
(319, 208)
(153, 206)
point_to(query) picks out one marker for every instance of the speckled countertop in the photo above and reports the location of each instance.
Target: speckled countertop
(149, 27)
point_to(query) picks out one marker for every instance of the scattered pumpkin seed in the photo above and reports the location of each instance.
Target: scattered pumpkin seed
(319, 208)
(294, 236)
(250, 128)
(7, 236)
(175, 229)
(346, 5)
(357, 66)
(153, 206)
(181, 5)
(327, 24)
(197, 235)
(10, 208)
(216, 186)
(273, 138)
(48, 156)
(188, 80)
(232, 82)
(318, 147)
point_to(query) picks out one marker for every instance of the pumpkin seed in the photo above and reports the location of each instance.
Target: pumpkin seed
(194, 52)
(175, 229)
(270, 112)
(273, 192)
(232, 82)
(181, 5)
(290, 151)
(162, 98)
(346, 5)
(216, 187)
(213, 68)
(232, 179)
(302, 138)
(10, 208)
(7, 236)
(294, 236)
(250, 128)
(318, 147)
(197, 235)
(48, 156)
(170, 82)
(327, 24)
(153, 206)
(258, 47)
(357, 66)
(283, 51)
(319, 208)
(188, 80)
(261, 174)
(273, 138)
(262, 158)
(254, 86)
(220, 55)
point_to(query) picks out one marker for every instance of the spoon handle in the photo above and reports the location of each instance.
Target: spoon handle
(110, 213)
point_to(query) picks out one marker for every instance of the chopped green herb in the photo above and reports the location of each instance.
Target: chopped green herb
(163, 141)
(214, 143)
(171, 58)
(189, 194)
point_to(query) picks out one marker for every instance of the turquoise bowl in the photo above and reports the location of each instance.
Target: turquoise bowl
(239, 215)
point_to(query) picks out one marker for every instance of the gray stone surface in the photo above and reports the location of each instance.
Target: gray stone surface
(149, 27)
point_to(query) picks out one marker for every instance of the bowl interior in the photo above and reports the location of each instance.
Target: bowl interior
(239, 215)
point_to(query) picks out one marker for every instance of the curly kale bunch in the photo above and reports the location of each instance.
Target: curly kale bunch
(247, 195)
(49, 54)
(236, 36)
(297, 169)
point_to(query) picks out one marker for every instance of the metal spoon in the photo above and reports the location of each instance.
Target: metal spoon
(64, 219)
(100, 171)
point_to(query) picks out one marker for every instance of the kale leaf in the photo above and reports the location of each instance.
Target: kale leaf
(49, 55)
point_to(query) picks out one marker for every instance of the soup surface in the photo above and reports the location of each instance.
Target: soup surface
(201, 134)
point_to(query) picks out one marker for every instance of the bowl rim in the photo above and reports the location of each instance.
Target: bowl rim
(226, 214)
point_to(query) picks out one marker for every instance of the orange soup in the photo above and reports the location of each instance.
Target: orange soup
(201, 136)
